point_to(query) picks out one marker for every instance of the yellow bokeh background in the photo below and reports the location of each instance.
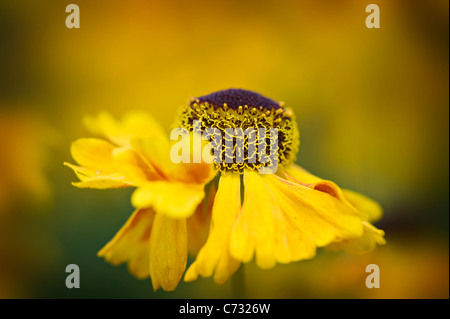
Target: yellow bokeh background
(372, 107)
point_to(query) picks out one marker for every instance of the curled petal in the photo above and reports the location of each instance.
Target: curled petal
(332, 189)
(324, 216)
(370, 208)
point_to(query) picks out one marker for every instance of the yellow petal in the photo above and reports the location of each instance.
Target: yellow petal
(100, 160)
(192, 273)
(133, 124)
(90, 179)
(367, 242)
(168, 252)
(215, 256)
(225, 268)
(198, 223)
(93, 153)
(140, 132)
(318, 217)
(260, 227)
(131, 244)
(300, 174)
(157, 154)
(174, 199)
(200, 173)
(333, 190)
(197, 170)
(364, 204)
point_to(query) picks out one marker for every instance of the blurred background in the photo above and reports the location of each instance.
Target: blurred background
(372, 107)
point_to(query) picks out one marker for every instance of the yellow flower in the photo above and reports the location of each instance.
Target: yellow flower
(285, 215)
(168, 199)
(265, 208)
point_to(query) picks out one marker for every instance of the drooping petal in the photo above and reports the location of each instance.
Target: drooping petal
(100, 161)
(324, 208)
(282, 221)
(174, 199)
(362, 203)
(260, 228)
(371, 237)
(168, 252)
(214, 257)
(332, 189)
(131, 244)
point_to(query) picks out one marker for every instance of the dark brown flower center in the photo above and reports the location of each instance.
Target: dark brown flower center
(234, 98)
(253, 119)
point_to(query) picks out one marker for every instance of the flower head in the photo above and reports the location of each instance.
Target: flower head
(243, 117)
(274, 216)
